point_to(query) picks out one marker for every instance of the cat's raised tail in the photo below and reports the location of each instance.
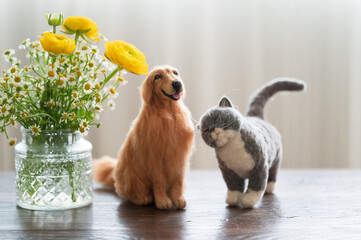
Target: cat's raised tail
(259, 100)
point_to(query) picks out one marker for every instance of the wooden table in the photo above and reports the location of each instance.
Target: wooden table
(307, 204)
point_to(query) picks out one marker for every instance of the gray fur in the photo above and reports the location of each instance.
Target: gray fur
(261, 140)
(259, 100)
(233, 181)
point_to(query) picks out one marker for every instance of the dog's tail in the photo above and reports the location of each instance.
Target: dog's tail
(103, 171)
(258, 101)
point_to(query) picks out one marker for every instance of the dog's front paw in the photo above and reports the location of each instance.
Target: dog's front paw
(163, 203)
(251, 198)
(180, 202)
(144, 200)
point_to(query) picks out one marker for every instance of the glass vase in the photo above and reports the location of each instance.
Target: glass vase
(53, 170)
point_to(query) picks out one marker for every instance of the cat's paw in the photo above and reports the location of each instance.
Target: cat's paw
(270, 187)
(233, 198)
(251, 198)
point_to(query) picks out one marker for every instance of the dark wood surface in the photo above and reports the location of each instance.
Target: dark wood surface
(307, 204)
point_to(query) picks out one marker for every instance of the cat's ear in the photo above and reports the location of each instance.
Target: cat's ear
(225, 102)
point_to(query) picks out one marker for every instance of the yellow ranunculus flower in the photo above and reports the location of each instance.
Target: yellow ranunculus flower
(82, 24)
(57, 44)
(127, 56)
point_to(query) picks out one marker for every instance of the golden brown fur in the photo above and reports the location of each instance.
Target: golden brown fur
(154, 158)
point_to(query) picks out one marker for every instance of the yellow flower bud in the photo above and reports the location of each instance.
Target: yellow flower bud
(127, 56)
(57, 44)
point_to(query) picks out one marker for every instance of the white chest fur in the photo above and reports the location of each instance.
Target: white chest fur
(235, 156)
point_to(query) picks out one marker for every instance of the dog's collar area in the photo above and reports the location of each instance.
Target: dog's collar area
(170, 96)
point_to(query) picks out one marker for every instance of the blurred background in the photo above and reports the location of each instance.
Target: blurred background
(227, 48)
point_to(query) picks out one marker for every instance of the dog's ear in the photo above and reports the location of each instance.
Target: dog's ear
(147, 90)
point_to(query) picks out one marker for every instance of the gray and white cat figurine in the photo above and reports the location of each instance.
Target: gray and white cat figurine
(247, 147)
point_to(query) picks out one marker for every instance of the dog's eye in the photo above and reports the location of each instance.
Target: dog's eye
(157, 77)
(175, 73)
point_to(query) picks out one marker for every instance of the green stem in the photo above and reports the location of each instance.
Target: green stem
(6, 134)
(39, 64)
(76, 37)
(54, 29)
(112, 74)
(71, 181)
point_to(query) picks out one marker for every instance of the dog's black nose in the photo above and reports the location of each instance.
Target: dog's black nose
(177, 85)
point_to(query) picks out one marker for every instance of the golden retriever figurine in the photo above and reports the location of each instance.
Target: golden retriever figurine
(154, 158)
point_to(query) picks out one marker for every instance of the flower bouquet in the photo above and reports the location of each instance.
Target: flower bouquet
(56, 98)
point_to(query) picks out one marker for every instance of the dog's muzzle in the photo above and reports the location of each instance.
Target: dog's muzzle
(177, 86)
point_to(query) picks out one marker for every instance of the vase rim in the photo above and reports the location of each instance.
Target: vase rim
(48, 131)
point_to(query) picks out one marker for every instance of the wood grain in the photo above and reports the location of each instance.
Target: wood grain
(307, 204)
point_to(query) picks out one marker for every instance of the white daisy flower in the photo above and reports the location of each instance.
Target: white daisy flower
(113, 92)
(39, 88)
(97, 86)
(62, 82)
(17, 79)
(75, 95)
(91, 65)
(74, 105)
(12, 142)
(51, 74)
(27, 68)
(72, 80)
(25, 44)
(94, 49)
(85, 49)
(87, 87)
(2, 83)
(35, 129)
(64, 117)
(49, 104)
(83, 130)
(72, 115)
(120, 80)
(11, 71)
(9, 52)
(84, 124)
(98, 107)
(111, 105)
(4, 110)
(13, 121)
(24, 114)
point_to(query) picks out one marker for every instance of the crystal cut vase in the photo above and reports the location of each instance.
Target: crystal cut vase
(53, 170)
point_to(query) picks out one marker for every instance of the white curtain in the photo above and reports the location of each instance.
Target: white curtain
(229, 48)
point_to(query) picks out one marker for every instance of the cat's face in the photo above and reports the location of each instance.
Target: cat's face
(218, 124)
